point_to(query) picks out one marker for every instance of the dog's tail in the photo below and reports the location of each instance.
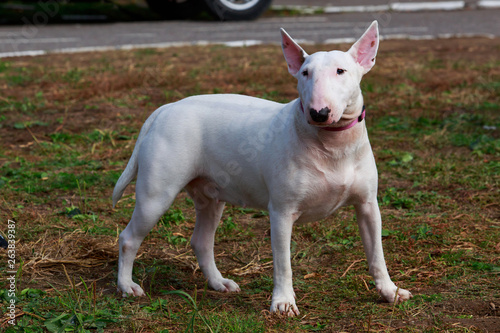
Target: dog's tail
(131, 170)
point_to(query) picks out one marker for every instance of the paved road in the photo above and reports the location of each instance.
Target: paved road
(472, 4)
(40, 38)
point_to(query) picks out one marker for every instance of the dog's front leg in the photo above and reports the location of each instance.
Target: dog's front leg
(370, 228)
(283, 300)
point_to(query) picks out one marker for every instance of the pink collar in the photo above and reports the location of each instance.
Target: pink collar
(343, 128)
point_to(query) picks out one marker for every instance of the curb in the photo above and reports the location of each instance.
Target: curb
(235, 43)
(394, 7)
(485, 4)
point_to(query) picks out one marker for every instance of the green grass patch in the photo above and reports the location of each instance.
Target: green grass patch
(68, 124)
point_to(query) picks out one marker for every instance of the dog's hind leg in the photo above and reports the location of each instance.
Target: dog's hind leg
(151, 204)
(208, 213)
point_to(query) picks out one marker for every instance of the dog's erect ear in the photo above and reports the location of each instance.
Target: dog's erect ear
(294, 54)
(365, 49)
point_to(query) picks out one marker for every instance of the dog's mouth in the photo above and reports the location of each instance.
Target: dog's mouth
(326, 124)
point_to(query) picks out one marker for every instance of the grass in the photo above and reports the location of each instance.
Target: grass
(68, 124)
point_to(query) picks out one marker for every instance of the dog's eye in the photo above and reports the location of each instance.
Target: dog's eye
(340, 71)
(305, 73)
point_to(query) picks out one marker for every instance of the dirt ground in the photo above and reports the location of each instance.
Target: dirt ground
(87, 109)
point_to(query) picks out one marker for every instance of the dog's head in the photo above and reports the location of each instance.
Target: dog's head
(328, 82)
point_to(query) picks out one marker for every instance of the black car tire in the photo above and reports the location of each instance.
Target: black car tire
(234, 10)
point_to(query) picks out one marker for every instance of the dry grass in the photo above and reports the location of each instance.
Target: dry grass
(68, 126)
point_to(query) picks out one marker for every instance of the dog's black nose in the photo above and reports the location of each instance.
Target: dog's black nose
(319, 116)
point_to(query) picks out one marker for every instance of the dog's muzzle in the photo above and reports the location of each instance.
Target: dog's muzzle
(327, 111)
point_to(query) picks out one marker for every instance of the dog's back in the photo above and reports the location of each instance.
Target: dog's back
(228, 129)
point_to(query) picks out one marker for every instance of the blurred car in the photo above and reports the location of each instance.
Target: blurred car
(223, 9)
(12, 11)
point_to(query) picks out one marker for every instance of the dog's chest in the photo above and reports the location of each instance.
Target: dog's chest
(328, 188)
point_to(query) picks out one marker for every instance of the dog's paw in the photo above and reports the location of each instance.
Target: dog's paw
(224, 285)
(130, 289)
(389, 294)
(287, 308)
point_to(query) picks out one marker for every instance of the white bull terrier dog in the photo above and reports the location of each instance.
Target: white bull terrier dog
(300, 161)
